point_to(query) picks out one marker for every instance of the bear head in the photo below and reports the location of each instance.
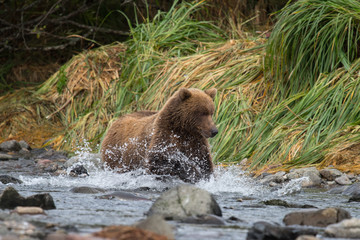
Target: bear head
(190, 111)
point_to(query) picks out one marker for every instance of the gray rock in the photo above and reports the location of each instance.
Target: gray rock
(6, 179)
(184, 201)
(307, 237)
(156, 224)
(87, 190)
(343, 180)
(24, 144)
(10, 146)
(205, 219)
(318, 218)
(273, 178)
(123, 196)
(349, 228)
(265, 231)
(312, 175)
(25, 153)
(10, 199)
(282, 203)
(6, 157)
(330, 173)
(91, 161)
(355, 198)
(351, 190)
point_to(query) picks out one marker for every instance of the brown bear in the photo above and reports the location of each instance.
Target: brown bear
(171, 142)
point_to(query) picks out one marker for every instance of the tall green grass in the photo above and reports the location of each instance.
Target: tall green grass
(313, 37)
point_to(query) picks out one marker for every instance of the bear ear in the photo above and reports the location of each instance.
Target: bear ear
(211, 92)
(184, 94)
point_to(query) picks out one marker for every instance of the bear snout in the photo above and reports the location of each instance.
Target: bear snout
(214, 131)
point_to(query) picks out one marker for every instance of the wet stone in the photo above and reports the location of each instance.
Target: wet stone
(184, 201)
(352, 189)
(282, 203)
(6, 157)
(28, 210)
(157, 225)
(79, 171)
(10, 199)
(330, 174)
(87, 190)
(349, 229)
(343, 180)
(127, 232)
(6, 179)
(318, 218)
(208, 219)
(355, 198)
(123, 196)
(265, 230)
(10, 146)
(24, 145)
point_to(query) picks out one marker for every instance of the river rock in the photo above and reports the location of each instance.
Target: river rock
(158, 225)
(79, 171)
(6, 157)
(265, 231)
(352, 189)
(28, 210)
(273, 178)
(87, 190)
(184, 201)
(127, 232)
(330, 173)
(282, 203)
(10, 199)
(307, 237)
(311, 176)
(355, 198)
(24, 144)
(208, 219)
(6, 179)
(348, 228)
(343, 180)
(93, 161)
(318, 218)
(10, 146)
(123, 196)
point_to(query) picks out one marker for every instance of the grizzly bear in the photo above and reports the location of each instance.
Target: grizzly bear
(172, 141)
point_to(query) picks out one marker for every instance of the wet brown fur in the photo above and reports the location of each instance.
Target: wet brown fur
(172, 141)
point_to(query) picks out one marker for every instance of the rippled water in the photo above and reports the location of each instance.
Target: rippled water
(88, 213)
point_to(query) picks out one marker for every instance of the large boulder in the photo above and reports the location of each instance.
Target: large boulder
(318, 218)
(185, 201)
(348, 228)
(10, 199)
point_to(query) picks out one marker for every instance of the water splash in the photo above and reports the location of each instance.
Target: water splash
(293, 186)
(224, 180)
(232, 180)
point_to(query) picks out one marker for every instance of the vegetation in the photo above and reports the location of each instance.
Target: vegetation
(281, 102)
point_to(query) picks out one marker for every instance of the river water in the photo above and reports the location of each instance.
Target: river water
(237, 194)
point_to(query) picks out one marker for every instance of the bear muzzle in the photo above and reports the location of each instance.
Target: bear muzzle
(214, 131)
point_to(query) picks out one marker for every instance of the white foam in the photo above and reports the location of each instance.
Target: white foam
(224, 180)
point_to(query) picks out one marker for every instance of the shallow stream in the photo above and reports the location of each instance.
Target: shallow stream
(239, 196)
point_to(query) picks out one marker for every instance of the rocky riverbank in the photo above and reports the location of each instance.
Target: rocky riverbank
(20, 216)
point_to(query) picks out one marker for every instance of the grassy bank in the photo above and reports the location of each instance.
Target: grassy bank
(279, 104)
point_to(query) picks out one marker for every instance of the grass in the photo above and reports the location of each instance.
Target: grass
(275, 106)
